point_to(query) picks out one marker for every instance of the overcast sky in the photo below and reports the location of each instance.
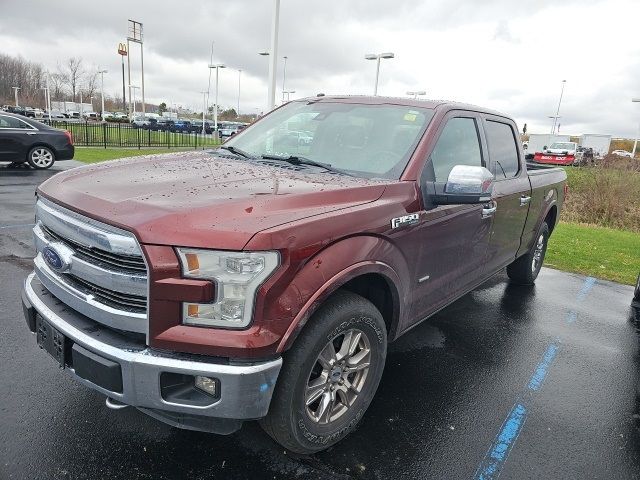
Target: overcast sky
(503, 54)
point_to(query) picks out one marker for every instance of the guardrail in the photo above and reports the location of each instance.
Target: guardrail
(125, 135)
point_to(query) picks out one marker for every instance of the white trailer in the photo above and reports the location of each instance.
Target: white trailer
(599, 143)
(538, 142)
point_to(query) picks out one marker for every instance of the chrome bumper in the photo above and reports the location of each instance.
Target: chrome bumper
(245, 389)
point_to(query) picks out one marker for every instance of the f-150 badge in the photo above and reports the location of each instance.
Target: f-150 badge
(404, 220)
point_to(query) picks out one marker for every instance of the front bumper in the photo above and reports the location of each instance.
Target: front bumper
(245, 389)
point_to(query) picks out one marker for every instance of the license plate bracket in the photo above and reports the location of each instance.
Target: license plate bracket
(51, 340)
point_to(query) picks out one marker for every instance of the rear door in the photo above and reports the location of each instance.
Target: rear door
(511, 192)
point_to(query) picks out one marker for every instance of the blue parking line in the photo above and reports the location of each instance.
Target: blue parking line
(3, 227)
(543, 367)
(492, 464)
(586, 288)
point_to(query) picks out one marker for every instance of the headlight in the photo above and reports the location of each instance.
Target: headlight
(237, 276)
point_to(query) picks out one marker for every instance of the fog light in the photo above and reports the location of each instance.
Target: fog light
(208, 385)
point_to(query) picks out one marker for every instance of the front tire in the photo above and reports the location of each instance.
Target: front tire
(329, 376)
(525, 269)
(41, 158)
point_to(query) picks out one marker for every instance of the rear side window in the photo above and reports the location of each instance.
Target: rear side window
(503, 150)
(10, 122)
(458, 145)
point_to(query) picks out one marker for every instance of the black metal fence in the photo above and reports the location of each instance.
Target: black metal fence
(106, 135)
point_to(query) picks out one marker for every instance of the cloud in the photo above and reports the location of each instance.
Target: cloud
(504, 55)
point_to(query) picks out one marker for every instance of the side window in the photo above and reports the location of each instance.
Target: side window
(503, 150)
(458, 145)
(10, 122)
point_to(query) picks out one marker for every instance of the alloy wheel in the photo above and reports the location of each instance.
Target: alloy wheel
(337, 376)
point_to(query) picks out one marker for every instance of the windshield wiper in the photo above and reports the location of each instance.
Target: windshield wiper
(297, 160)
(236, 151)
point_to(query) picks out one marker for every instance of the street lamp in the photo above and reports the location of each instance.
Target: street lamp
(217, 66)
(15, 91)
(415, 94)
(377, 57)
(238, 109)
(284, 76)
(635, 143)
(102, 72)
(557, 115)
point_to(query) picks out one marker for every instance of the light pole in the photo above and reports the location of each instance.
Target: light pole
(415, 94)
(47, 96)
(284, 76)
(123, 52)
(273, 65)
(377, 57)
(635, 143)
(15, 92)
(217, 66)
(238, 109)
(557, 115)
(102, 72)
(204, 109)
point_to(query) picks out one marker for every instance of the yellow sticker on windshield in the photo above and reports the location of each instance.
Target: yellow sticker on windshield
(410, 117)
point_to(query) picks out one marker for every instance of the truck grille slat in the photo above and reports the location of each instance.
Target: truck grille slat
(114, 299)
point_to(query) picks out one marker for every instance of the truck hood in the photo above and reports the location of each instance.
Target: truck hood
(198, 199)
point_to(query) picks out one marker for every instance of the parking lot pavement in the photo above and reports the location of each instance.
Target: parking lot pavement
(522, 382)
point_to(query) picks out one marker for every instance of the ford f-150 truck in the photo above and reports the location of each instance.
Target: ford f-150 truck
(263, 279)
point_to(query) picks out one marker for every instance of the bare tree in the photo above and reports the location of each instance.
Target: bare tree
(56, 84)
(72, 73)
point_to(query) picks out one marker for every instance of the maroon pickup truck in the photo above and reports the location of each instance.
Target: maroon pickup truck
(263, 280)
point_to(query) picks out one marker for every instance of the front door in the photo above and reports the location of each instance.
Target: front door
(453, 238)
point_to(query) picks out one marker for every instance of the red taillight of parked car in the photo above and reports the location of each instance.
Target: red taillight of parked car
(69, 136)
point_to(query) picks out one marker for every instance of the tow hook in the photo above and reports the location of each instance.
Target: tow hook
(115, 404)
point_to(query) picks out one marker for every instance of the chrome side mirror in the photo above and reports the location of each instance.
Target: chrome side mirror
(471, 184)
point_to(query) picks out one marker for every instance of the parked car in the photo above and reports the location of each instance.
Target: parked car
(140, 122)
(196, 127)
(252, 282)
(72, 114)
(559, 153)
(230, 129)
(622, 153)
(55, 115)
(90, 116)
(25, 140)
(120, 115)
(106, 115)
(181, 126)
(160, 124)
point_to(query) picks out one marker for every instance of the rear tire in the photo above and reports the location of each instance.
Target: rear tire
(329, 376)
(525, 269)
(41, 158)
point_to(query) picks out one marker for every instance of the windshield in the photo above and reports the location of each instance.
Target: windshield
(369, 141)
(563, 146)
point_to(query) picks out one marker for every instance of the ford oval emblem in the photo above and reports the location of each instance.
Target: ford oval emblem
(53, 258)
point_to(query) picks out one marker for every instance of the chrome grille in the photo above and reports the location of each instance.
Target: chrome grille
(101, 257)
(134, 303)
(97, 269)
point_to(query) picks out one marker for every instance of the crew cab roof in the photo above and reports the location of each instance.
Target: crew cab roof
(409, 102)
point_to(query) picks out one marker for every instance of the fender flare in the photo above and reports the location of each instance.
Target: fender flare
(332, 285)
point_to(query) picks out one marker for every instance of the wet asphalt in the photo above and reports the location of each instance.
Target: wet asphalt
(517, 382)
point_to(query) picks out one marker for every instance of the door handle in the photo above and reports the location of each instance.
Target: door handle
(489, 209)
(524, 200)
